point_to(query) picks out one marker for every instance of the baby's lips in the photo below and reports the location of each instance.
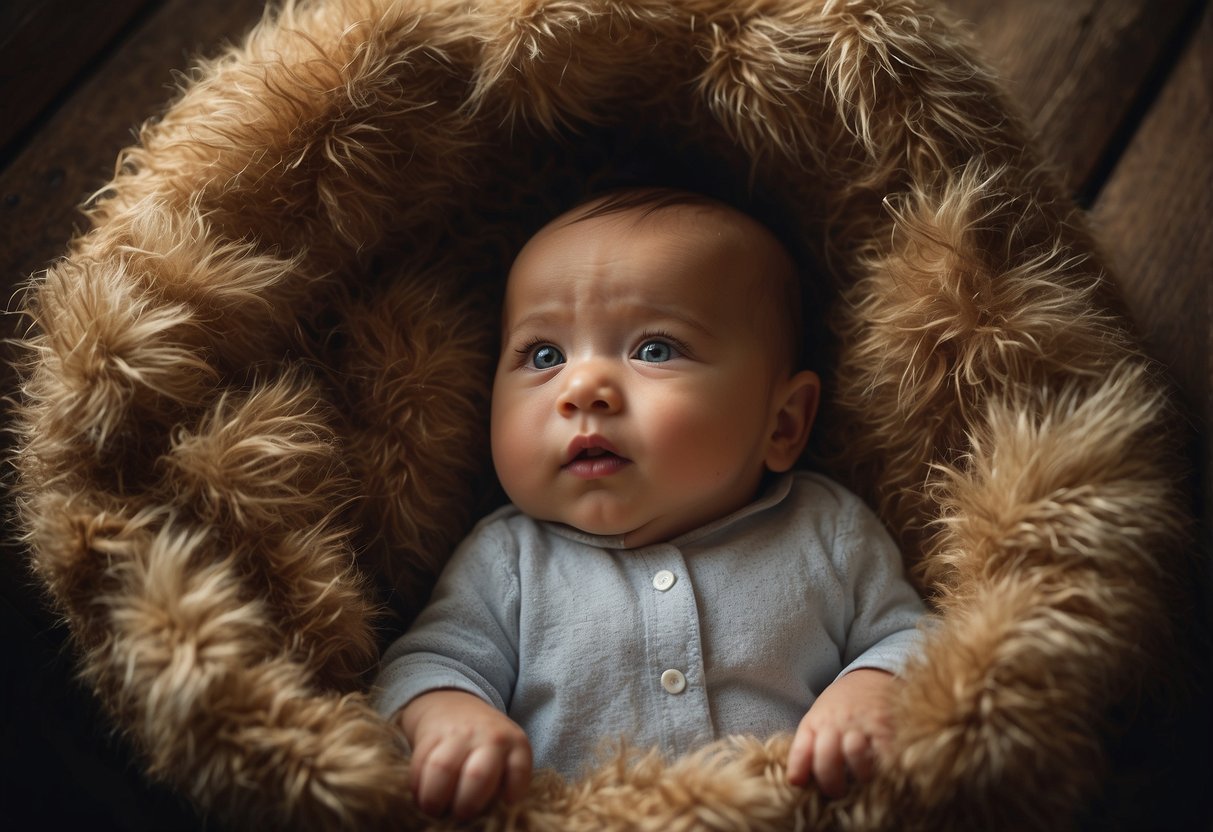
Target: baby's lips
(588, 442)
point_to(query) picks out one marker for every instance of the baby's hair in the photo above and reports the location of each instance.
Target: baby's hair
(649, 200)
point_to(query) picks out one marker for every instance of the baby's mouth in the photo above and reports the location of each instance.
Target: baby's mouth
(592, 457)
(594, 453)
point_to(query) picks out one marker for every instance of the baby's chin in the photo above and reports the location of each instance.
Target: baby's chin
(657, 530)
(595, 526)
(603, 516)
(592, 519)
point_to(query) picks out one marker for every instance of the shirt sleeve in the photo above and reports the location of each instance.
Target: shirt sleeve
(884, 632)
(466, 638)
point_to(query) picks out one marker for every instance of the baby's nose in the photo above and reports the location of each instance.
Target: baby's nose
(590, 389)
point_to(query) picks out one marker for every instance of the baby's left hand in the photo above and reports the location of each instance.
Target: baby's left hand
(843, 731)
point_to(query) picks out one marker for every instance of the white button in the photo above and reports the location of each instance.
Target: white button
(673, 681)
(663, 580)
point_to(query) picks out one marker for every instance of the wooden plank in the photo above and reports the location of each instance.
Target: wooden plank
(1153, 219)
(74, 153)
(44, 45)
(1076, 68)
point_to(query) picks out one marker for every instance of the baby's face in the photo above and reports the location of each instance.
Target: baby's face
(636, 390)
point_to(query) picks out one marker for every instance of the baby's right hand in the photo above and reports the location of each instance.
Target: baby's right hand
(465, 753)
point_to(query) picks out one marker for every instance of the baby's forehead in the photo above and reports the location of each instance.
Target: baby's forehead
(691, 222)
(675, 213)
(651, 223)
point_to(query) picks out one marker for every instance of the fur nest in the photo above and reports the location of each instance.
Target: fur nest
(255, 393)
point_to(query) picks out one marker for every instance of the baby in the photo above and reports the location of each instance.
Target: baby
(655, 577)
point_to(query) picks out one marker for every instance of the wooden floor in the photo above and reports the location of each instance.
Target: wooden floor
(1121, 92)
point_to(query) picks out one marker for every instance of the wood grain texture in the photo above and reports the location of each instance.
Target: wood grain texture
(74, 152)
(1153, 219)
(44, 45)
(1075, 67)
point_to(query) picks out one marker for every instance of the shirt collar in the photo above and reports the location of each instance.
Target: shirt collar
(775, 493)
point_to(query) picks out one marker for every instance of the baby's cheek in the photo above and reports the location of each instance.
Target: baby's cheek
(698, 454)
(516, 452)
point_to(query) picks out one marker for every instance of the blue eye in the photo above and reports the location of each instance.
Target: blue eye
(545, 357)
(656, 352)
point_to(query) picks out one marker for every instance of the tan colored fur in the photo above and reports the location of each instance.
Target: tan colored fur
(261, 379)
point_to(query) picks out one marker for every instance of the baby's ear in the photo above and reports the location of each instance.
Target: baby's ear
(796, 407)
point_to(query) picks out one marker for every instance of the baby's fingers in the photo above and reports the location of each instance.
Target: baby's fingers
(858, 751)
(517, 772)
(800, 756)
(436, 777)
(478, 782)
(829, 767)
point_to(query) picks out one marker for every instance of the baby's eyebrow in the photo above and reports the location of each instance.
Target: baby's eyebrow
(552, 315)
(672, 313)
(539, 318)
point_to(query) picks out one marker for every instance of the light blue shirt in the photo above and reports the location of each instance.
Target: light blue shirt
(733, 628)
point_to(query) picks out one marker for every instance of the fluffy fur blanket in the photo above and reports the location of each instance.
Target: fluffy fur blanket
(254, 404)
